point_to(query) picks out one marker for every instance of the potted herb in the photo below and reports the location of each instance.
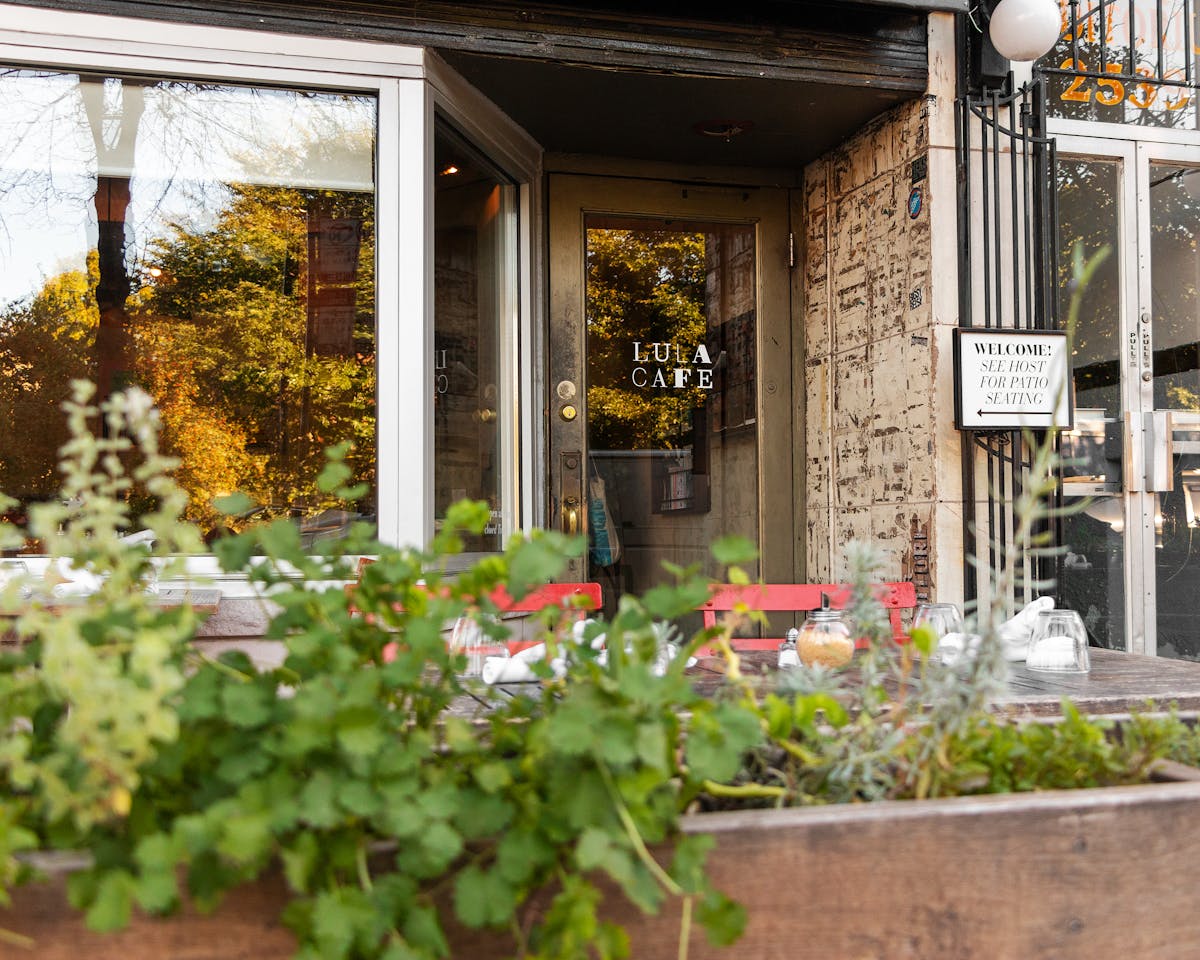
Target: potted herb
(336, 807)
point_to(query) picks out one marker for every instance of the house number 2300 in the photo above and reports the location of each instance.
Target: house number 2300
(1112, 91)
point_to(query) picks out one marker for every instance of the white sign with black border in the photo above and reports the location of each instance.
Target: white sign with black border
(1011, 379)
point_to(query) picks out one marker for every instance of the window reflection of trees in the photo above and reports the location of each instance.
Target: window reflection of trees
(1174, 308)
(197, 253)
(1127, 92)
(645, 286)
(1088, 219)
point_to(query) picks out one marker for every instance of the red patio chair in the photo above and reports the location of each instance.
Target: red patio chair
(797, 598)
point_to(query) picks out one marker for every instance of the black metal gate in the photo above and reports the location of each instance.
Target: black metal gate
(1008, 279)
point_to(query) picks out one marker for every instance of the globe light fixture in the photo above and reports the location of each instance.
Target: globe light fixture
(1025, 29)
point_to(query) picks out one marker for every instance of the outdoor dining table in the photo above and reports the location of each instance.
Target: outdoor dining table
(204, 600)
(1117, 683)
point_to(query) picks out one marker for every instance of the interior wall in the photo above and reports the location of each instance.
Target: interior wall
(871, 350)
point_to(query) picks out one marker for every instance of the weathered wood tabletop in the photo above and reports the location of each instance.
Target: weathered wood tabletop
(201, 599)
(1117, 683)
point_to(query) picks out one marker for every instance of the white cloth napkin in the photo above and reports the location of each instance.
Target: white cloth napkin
(507, 670)
(1015, 633)
(519, 668)
(956, 647)
(74, 582)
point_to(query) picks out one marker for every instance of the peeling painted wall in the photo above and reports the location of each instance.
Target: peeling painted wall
(871, 349)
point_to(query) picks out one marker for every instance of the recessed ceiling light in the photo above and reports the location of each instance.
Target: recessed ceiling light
(448, 170)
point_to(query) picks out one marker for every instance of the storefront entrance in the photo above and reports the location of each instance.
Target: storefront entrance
(1133, 569)
(670, 383)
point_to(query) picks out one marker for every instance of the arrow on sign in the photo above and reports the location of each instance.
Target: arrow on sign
(1023, 413)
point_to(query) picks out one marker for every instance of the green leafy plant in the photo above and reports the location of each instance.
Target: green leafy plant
(390, 813)
(88, 698)
(899, 724)
(401, 801)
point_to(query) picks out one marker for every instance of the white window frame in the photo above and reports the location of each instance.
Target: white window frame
(411, 85)
(511, 149)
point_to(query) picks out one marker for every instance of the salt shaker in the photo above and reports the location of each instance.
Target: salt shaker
(788, 657)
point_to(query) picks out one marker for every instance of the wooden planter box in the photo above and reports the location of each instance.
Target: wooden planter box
(1090, 874)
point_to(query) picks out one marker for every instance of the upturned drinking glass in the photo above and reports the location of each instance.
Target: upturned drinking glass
(1058, 643)
(941, 618)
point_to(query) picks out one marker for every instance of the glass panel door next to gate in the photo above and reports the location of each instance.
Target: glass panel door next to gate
(1170, 227)
(659, 305)
(1132, 566)
(1092, 575)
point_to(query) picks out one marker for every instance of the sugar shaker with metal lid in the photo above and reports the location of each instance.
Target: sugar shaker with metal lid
(825, 639)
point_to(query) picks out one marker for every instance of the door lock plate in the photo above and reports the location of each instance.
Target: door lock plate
(571, 491)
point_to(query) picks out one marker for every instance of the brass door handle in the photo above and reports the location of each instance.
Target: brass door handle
(570, 516)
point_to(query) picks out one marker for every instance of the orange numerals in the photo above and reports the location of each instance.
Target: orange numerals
(1148, 91)
(1111, 91)
(1077, 90)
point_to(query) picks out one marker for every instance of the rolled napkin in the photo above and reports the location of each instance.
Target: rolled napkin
(954, 648)
(1015, 633)
(519, 668)
(142, 536)
(507, 670)
(74, 582)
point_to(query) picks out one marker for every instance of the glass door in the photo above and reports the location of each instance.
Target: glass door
(1095, 207)
(1132, 566)
(670, 386)
(1169, 278)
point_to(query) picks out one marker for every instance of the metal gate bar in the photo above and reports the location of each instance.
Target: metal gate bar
(1007, 229)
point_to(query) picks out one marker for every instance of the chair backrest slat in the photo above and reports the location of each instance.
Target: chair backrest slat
(585, 596)
(800, 597)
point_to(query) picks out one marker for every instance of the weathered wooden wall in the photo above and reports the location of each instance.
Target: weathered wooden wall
(869, 346)
(881, 300)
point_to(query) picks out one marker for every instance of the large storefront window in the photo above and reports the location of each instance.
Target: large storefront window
(475, 232)
(212, 243)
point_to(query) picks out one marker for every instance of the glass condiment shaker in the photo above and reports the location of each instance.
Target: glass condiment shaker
(825, 639)
(788, 658)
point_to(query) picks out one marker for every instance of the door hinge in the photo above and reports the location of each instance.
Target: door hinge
(791, 250)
